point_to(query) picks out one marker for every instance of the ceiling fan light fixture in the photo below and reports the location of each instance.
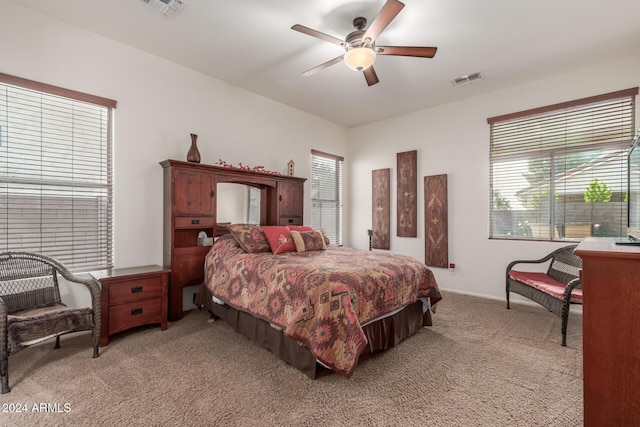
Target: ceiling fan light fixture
(360, 58)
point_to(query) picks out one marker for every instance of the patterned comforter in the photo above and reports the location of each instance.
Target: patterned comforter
(318, 298)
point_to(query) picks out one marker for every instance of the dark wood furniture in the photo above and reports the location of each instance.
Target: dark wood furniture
(132, 297)
(554, 290)
(190, 207)
(611, 332)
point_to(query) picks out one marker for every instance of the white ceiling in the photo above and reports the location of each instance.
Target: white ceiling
(249, 44)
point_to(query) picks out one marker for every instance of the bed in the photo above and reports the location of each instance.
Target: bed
(320, 307)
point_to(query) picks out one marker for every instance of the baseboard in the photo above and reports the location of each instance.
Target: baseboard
(575, 308)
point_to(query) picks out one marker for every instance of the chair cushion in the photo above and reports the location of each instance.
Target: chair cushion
(545, 284)
(26, 326)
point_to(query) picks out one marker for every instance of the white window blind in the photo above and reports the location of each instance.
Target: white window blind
(326, 194)
(56, 191)
(560, 172)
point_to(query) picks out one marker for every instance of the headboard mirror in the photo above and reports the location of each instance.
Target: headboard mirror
(238, 203)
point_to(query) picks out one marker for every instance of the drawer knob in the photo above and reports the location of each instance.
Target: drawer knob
(136, 311)
(195, 221)
(136, 289)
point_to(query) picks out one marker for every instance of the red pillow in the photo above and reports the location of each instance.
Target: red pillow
(279, 238)
(300, 228)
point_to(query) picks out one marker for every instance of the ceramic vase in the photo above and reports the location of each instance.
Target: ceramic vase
(193, 155)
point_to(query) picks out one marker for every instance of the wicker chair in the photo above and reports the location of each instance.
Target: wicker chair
(31, 309)
(556, 289)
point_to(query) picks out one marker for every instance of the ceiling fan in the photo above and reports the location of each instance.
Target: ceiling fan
(360, 45)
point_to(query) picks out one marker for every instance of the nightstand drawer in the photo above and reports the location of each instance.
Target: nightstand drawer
(135, 290)
(125, 316)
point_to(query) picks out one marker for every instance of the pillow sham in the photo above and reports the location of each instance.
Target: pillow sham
(250, 237)
(308, 228)
(308, 241)
(279, 238)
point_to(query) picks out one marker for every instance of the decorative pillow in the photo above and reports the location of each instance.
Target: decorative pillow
(308, 240)
(250, 237)
(300, 228)
(279, 238)
(308, 228)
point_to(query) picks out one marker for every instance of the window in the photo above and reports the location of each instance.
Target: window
(560, 172)
(56, 173)
(326, 194)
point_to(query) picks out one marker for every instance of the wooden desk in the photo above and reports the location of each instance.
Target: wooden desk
(611, 332)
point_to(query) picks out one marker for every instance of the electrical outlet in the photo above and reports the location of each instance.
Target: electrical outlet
(452, 268)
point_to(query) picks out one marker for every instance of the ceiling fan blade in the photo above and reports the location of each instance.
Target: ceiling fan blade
(321, 67)
(422, 52)
(318, 34)
(386, 15)
(371, 76)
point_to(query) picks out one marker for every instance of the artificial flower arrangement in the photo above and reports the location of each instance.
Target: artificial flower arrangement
(258, 169)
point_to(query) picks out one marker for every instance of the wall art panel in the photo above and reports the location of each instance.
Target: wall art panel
(407, 214)
(381, 225)
(436, 224)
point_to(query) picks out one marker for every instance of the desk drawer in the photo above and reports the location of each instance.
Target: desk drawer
(125, 316)
(135, 290)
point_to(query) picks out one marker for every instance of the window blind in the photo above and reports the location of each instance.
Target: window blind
(326, 194)
(56, 192)
(560, 172)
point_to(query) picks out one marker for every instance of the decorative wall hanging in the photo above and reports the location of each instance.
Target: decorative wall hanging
(436, 223)
(407, 194)
(381, 193)
(243, 167)
(193, 155)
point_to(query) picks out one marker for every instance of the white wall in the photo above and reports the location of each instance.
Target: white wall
(159, 104)
(453, 139)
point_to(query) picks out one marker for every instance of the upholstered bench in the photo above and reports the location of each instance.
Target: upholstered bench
(556, 289)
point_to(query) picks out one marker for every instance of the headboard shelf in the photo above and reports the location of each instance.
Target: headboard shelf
(190, 194)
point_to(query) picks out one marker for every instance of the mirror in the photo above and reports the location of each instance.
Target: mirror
(237, 203)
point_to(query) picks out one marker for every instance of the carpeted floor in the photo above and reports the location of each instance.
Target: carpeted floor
(479, 365)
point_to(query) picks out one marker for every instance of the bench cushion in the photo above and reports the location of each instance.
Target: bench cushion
(545, 284)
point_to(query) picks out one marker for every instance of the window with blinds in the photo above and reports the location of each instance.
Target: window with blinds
(326, 194)
(560, 172)
(56, 173)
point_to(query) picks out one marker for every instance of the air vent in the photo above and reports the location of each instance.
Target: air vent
(165, 6)
(469, 78)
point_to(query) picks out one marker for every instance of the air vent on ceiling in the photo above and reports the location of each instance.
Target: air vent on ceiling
(469, 78)
(165, 6)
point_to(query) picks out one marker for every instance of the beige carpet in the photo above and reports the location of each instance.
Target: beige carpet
(479, 365)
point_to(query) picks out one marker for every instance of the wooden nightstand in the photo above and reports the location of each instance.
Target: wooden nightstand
(132, 297)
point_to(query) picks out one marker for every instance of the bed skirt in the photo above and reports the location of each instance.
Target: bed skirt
(381, 334)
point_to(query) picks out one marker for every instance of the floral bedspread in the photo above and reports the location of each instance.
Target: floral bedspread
(318, 298)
